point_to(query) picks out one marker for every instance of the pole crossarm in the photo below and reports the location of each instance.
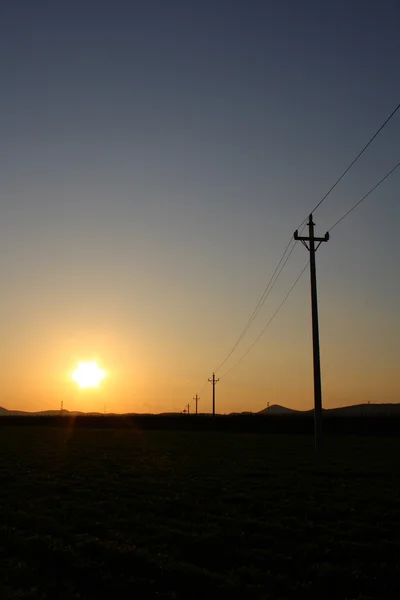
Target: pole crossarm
(307, 239)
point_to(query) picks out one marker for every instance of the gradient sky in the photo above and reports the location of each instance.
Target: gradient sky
(156, 157)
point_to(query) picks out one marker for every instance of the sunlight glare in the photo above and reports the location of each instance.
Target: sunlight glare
(88, 374)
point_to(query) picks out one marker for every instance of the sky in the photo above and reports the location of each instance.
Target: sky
(156, 158)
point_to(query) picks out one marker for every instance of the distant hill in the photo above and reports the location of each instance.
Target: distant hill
(277, 409)
(366, 409)
(345, 411)
(274, 410)
(4, 412)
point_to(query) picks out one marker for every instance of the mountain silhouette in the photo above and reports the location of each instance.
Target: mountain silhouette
(277, 409)
(274, 410)
(345, 411)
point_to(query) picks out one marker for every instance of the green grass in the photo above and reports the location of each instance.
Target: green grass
(95, 514)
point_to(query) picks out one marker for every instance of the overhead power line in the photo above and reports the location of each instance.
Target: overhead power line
(354, 161)
(366, 195)
(204, 387)
(277, 272)
(268, 324)
(275, 275)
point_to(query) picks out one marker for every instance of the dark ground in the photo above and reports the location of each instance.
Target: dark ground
(91, 514)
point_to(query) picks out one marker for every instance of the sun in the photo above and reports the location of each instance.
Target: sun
(88, 374)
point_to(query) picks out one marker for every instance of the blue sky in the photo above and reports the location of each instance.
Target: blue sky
(156, 158)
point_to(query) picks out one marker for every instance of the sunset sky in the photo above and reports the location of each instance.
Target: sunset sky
(156, 157)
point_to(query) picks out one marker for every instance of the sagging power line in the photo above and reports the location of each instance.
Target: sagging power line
(316, 355)
(353, 162)
(267, 325)
(264, 296)
(272, 281)
(365, 196)
(278, 270)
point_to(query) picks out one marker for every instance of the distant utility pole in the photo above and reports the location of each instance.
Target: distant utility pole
(62, 406)
(213, 381)
(197, 398)
(188, 408)
(311, 239)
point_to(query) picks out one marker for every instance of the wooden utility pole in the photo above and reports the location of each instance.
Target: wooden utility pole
(214, 382)
(197, 398)
(312, 248)
(188, 408)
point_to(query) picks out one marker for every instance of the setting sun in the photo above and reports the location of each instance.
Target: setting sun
(88, 374)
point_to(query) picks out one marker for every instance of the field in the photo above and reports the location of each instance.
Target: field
(120, 514)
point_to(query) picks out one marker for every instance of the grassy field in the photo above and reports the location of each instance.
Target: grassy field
(129, 514)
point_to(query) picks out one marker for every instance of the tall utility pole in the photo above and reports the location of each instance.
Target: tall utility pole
(188, 408)
(213, 381)
(197, 398)
(312, 248)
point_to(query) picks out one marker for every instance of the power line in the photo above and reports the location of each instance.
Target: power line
(204, 387)
(261, 301)
(268, 324)
(365, 195)
(353, 162)
(272, 281)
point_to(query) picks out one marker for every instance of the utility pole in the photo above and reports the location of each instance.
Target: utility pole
(62, 407)
(312, 248)
(213, 381)
(188, 408)
(197, 398)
